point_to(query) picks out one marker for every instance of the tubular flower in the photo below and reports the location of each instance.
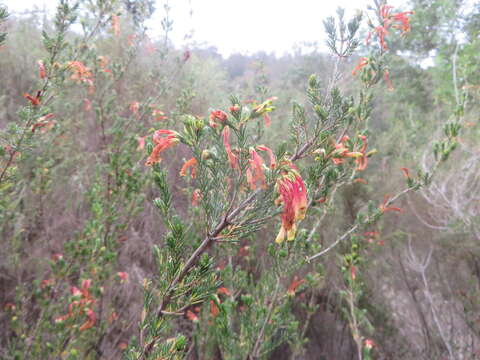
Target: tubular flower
(196, 197)
(255, 172)
(44, 123)
(232, 158)
(362, 160)
(162, 144)
(384, 207)
(35, 101)
(363, 62)
(192, 163)
(293, 195)
(217, 116)
(81, 305)
(292, 288)
(80, 72)
(270, 153)
(399, 21)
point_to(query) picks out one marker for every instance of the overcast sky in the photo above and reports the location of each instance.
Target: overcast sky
(243, 26)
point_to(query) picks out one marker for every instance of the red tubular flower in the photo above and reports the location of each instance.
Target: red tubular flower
(35, 101)
(362, 160)
(404, 21)
(363, 62)
(406, 172)
(162, 144)
(217, 116)
(271, 155)
(353, 272)
(90, 321)
(80, 72)
(292, 288)
(196, 196)
(192, 163)
(44, 123)
(385, 208)
(41, 69)
(232, 158)
(255, 172)
(293, 195)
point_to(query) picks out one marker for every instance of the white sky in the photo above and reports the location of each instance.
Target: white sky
(243, 26)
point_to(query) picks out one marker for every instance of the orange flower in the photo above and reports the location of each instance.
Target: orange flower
(141, 142)
(353, 272)
(192, 163)
(224, 291)
(363, 62)
(41, 69)
(293, 195)
(255, 172)
(192, 316)
(234, 108)
(44, 123)
(232, 158)
(196, 196)
(406, 172)
(35, 101)
(90, 321)
(217, 116)
(80, 73)
(162, 144)
(362, 160)
(385, 208)
(292, 288)
(214, 309)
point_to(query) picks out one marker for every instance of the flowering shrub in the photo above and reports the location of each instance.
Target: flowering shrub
(234, 250)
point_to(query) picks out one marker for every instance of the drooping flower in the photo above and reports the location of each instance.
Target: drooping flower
(293, 196)
(406, 172)
(161, 144)
(196, 196)
(255, 171)
(35, 101)
(44, 123)
(271, 155)
(232, 158)
(216, 117)
(192, 163)
(362, 160)
(363, 62)
(384, 207)
(91, 319)
(292, 288)
(80, 73)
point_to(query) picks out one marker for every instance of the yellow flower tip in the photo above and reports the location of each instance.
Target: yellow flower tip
(281, 236)
(291, 233)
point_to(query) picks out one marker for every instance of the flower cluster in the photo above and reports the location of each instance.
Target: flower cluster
(81, 306)
(293, 196)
